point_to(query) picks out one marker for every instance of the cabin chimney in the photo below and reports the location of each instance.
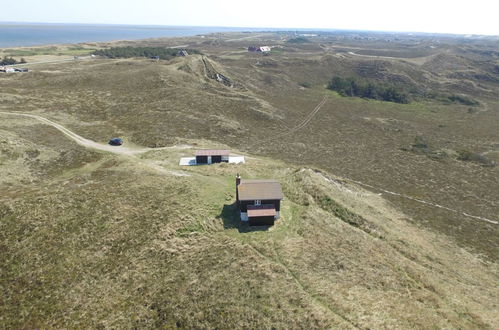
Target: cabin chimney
(238, 181)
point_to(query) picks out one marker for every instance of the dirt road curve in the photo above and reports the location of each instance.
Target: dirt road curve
(122, 150)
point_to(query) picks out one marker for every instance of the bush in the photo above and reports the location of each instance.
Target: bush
(463, 100)
(8, 61)
(420, 143)
(468, 156)
(305, 84)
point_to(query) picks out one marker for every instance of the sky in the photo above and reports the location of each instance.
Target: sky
(442, 16)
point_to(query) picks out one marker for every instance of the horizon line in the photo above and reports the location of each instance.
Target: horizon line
(262, 29)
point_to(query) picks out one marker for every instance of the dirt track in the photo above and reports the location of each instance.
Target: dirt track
(120, 150)
(303, 123)
(89, 143)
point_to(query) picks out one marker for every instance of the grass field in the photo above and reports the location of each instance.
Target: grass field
(91, 239)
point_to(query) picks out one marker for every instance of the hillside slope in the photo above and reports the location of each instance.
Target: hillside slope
(94, 239)
(104, 240)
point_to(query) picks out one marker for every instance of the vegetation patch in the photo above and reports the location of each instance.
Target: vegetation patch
(469, 156)
(298, 40)
(11, 61)
(367, 89)
(421, 146)
(149, 52)
(189, 230)
(328, 204)
(463, 100)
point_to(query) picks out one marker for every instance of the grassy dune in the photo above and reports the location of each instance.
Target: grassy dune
(91, 239)
(113, 243)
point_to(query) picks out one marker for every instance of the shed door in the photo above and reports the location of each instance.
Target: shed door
(201, 159)
(216, 159)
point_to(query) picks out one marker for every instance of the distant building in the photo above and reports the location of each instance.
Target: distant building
(11, 69)
(262, 49)
(182, 53)
(7, 69)
(206, 157)
(211, 156)
(258, 201)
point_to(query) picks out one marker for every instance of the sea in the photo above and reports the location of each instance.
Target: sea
(36, 34)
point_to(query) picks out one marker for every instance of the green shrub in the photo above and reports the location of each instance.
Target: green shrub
(463, 100)
(420, 143)
(469, 156)
(8, 61)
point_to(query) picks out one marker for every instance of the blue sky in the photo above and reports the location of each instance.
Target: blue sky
(466, 17)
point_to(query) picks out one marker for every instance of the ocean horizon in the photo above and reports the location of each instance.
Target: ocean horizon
(39, 34)
(22, 34)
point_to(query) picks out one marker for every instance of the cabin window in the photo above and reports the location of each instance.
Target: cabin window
(258, 202)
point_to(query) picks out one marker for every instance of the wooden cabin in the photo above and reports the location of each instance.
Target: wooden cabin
(259, 201)
(211, 156)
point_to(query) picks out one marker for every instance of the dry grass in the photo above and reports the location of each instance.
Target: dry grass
(89, 239)
(118, 245)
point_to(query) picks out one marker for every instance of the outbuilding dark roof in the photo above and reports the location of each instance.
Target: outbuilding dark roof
(259, 190)
(212, 152)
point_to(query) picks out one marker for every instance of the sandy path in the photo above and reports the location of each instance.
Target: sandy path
(376, 56)
(120, 150)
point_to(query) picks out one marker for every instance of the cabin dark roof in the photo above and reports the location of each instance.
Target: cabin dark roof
(212, 152)
(259, 190)
(264, 210)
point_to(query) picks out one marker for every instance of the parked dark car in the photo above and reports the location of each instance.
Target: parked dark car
(116, 141)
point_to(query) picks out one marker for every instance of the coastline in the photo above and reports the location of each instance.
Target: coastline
(16, 35)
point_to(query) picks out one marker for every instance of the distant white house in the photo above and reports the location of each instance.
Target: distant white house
(7, 69)
(263, 49)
